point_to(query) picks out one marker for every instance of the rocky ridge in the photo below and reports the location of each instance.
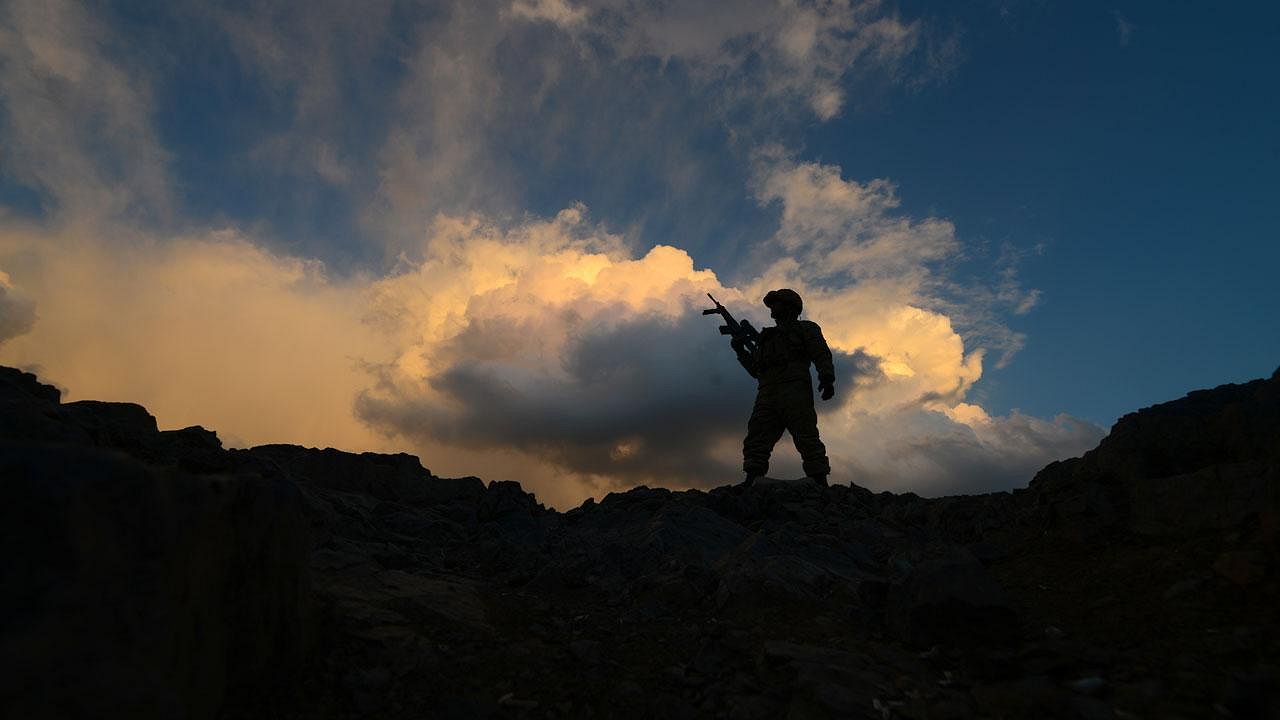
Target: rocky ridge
(156, 574)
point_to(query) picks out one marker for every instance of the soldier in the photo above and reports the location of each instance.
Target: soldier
(784, 400)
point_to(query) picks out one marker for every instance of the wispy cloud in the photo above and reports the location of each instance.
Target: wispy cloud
(1124, 28)
(77, 121)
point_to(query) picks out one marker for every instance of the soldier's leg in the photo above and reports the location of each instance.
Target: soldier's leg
(802, 423)
(763, 431)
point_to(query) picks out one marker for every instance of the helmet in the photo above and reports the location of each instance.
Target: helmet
(785, 297)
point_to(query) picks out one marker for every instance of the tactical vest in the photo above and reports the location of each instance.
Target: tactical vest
(782, 354)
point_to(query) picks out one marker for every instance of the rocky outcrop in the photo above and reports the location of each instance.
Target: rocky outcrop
(157, 574)
(132, 590)
(133, 587)
(1207, 461)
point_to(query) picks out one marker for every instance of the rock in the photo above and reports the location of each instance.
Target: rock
(193, 449)
(398, 476)
(1087, 685)
(24, 386)
(29, 411)
(1218, 497)
(124, 426)
(952, 600)
(586, 652)
(827, 682)
(146, 592)
(764, 572)
(1242, 567)
(1182, 587)
(505, 498)
(511, 701)
(1029, 697)
(160, 574)
(1206, 461)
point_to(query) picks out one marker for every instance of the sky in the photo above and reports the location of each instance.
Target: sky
(482, 231)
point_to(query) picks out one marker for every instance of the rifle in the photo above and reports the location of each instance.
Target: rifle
(744, 338)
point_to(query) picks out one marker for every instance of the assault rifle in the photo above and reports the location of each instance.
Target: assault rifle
(744, 338)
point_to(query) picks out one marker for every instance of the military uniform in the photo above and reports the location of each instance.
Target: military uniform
(784, 399)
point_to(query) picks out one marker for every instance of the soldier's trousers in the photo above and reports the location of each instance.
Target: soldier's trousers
(784, 406)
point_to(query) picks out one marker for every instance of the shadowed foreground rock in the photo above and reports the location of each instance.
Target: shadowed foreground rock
(153, 573)
(132, 587)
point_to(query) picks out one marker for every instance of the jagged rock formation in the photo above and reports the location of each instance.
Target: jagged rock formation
(157, 574)
(135, 585)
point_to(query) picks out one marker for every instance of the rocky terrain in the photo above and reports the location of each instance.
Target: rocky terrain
(156, 574)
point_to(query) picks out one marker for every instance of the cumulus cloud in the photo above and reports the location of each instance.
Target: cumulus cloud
(550, 339)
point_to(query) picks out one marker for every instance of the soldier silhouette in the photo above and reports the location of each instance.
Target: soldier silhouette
(780, 360)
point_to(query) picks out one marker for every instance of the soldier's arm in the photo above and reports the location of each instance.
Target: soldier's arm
(819, 353)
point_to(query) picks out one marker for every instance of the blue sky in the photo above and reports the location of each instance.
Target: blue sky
(1016, 220)
(1146, 165)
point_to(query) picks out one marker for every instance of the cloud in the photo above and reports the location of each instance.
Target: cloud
(502, 338)
(549, 338)
(880, 282)
(836, 229)
(17, 314)
(761, 49)
(847, 243)
(558, 12)
(631, 93)
(1124, 28)
(629, 399)
(544, 351)
(210, 330)
(76, 122)
(959, 449)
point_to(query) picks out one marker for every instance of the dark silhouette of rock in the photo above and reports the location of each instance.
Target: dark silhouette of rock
(132, 590)
(153, 573)
(398, 477)
(951, 599)
(1206, 461)
(16, 384)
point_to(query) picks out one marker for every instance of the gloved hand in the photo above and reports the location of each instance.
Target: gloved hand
(828, 390)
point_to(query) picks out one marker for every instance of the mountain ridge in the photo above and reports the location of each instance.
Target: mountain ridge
(287, 580)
